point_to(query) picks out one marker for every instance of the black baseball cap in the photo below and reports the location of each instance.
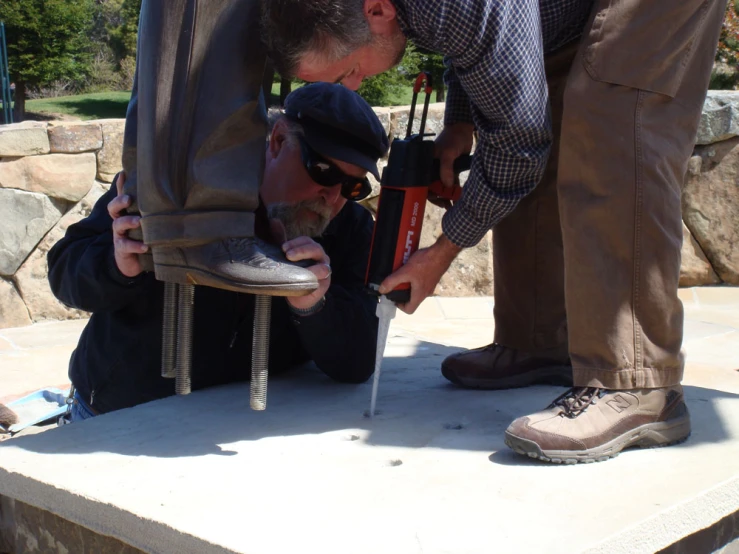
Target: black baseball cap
(338, 123)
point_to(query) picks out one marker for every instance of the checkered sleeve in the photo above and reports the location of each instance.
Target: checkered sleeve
(494, 50)
(457, 102)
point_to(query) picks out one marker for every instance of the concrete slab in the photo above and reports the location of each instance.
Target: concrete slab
(430, 474)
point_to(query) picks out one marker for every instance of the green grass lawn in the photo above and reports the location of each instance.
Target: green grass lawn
(402, 99)
(104, 105)
(99, 105)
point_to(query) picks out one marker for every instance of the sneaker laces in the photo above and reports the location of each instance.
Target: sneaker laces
(576, 400)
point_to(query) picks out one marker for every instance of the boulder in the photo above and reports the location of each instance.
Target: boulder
(26, 217)
(23, 139)
(31, 278)
(720, 117)
(695, 270)
(64, 176)
(383, 114)
(75, 137)
(109, 156)
(399, 119)
(471, 273)
(711, 205)
(13, 311)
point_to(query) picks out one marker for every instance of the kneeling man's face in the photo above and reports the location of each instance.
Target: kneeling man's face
(303, 206)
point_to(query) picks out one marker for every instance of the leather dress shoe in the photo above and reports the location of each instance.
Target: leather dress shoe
(246, 264)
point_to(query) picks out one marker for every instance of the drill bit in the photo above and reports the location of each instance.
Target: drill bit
(385, 313)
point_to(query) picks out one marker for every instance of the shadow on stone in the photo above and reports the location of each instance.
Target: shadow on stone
(416, 404)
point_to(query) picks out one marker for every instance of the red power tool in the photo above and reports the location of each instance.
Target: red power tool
(410, 178)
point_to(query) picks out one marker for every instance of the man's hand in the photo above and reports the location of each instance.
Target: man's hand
(454, 141)
(126, 250)
(423, 271)
(305, 248)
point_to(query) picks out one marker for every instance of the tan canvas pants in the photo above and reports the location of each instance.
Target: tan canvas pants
(592, 256)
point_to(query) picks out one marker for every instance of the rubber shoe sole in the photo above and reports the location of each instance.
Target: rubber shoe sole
(191, 276)
(650, 435)
(560, 376)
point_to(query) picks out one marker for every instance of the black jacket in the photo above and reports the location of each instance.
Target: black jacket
(117, 361)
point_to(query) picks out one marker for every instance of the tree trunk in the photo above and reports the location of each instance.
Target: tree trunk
(285, 88)
(19, 108)
(440, 96)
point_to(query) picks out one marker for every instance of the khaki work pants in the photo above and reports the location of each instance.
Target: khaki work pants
(592, 257)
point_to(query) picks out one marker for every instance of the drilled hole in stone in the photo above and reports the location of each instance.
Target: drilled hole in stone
(453, 426)
(394, 463)
(351, 438)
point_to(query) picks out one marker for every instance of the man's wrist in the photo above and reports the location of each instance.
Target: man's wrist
(446, 250)
(304, 312)
(116, 274)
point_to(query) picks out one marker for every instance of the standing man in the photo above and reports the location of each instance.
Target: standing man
(586, 265)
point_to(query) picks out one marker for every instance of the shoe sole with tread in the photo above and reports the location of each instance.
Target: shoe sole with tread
(649, 435)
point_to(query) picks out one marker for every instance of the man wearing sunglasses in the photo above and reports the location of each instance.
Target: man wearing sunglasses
(316, 161)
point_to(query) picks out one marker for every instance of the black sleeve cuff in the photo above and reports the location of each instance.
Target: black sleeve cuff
(115, 274)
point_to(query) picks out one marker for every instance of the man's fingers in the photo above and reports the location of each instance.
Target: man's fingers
(119, 182)
(297, 242)
(126, 223)
(117, 205)
(125, 245)
(296, 250)
(321, 271)
(394, 280)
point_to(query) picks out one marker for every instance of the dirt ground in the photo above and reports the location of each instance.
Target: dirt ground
(48, 116)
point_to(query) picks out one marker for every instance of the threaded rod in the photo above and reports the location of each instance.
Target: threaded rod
(184, 338)
(260, 352)
(169, 329)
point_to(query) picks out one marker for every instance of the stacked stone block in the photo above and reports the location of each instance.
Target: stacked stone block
(51, 174)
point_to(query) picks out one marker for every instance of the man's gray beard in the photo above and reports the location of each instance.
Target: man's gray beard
(295, 227)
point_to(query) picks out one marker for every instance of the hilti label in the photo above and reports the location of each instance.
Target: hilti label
(409, 236)
(408, 246)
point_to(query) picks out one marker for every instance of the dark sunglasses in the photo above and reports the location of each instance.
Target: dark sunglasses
(327, 174)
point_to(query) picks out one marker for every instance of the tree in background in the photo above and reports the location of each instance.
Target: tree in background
(47, 40)
(433, 62)
(114, 33)
(725, 73)
(386, 88)
(124, 31)
(380, 90)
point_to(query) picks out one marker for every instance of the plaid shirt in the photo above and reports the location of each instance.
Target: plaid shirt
(495, 58)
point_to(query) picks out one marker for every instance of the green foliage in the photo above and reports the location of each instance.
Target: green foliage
(725, 74)
(124, 28)
(380, 89)
(47, 40)
(433, 62)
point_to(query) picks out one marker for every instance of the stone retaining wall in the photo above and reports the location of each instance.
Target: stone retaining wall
(51, 174)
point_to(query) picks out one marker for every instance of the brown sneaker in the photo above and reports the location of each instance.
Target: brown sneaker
(587, 424)
(499, 367)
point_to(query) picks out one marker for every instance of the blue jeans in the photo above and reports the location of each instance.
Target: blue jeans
(79, 410)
